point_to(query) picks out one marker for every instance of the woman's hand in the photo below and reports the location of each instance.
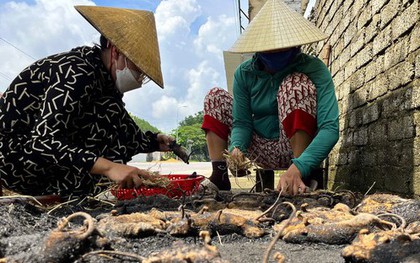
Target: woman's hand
(124, 175)
(291, 182)
(237, 155)
(164, 141)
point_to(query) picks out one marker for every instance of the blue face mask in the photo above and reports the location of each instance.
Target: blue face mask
(276, 61)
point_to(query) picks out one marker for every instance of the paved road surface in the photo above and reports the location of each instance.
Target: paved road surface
(201, 168)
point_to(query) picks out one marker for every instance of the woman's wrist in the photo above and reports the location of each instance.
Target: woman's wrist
(101, 166)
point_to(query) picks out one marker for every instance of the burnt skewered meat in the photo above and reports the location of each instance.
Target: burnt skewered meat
(179, 151)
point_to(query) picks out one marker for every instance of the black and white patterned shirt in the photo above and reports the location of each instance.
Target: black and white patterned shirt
(57, 117)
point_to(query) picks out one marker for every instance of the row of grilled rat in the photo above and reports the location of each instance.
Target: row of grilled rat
(379, 223)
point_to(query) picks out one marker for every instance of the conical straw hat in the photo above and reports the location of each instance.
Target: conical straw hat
(276, 26)
(133, 32)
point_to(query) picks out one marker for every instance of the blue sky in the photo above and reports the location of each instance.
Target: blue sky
(192, 36)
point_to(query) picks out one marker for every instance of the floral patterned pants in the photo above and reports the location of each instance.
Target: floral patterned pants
(296, 92)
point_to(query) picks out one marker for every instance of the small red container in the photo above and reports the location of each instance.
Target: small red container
(180, 184)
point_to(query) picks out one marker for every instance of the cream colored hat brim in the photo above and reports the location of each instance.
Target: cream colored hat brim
(276, 26)
(133, 32)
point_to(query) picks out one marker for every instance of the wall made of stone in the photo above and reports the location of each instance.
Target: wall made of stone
(375, 63)
(254, 6)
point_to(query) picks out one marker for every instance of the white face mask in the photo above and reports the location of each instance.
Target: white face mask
(126, 79)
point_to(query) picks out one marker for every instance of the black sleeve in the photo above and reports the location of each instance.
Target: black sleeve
(70, 84)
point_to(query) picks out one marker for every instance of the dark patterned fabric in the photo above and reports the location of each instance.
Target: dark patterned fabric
(296, 92)
(56, 118)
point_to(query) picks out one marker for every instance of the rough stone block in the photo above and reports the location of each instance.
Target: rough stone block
(344, 58)
(350, 68)
(319, 46)
(379, 87)
(404, 2)
(356, 8)
(395, 128)
(369, 157)
(347, 139)
(344, 23)
(333, 157)
(342, 159)
(416, 151)
(360, 137)
(389, 12)
(334, 67)
(340, 106)
(382, 154)
(335, 36)
(360, 97)
(359, 116)
(400, 75)
(343, 123)
(398, 179)
(357, 43)
(396, 53)
(393, 149)
(372, 29)
(365, 16)
(335, 7)
(352, 119)
(349, 33)
(337, 17)
(330, 14)
(377, 5)
(415, 38)
(339, 78)
(416, 121)
(377, 133)
(406, 154)
(405, 20)
(408, 130)
(396, 102)
(371, 113)
(374, 68)
(320, 11)
(417, 62)
(382, 41)
(416, 181)
(345, 90)
(347, 104)
(415, 99)
(364, 56)
(346, 6)
(357, 80)
(375, 178)
(353, 156)
(338, 48)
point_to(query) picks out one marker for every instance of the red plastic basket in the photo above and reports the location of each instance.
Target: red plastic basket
(180, 184)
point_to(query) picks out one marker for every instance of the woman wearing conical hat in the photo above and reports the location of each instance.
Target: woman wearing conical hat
(63, 125)
(283, 113)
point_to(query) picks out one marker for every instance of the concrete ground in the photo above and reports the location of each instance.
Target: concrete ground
(201, 168)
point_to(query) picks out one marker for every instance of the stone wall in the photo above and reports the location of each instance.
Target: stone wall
(254, 6)
(375, 63)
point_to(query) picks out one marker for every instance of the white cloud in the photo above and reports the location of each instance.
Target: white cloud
(192, 36)
(173, 18)
(39, 29)
(215, 35)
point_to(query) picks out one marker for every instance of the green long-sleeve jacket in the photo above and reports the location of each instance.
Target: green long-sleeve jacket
(255, 107)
